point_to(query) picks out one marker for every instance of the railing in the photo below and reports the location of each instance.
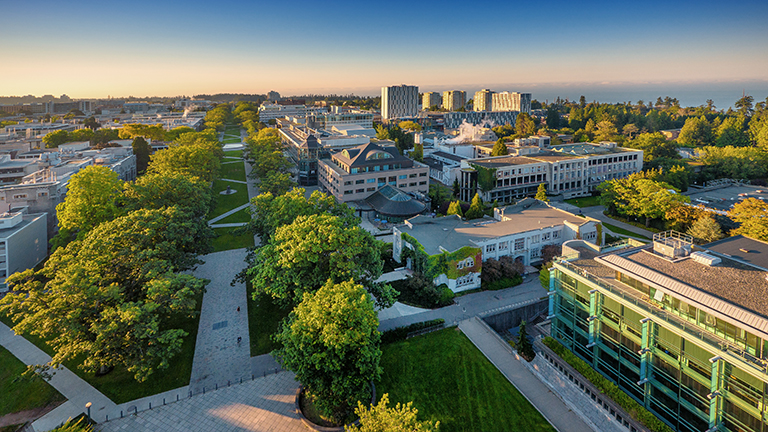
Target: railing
(643, 303)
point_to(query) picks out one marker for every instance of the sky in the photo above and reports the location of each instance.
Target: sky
(603, 49)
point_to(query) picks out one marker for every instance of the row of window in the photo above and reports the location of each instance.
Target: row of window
(371, 189)
(519, 244)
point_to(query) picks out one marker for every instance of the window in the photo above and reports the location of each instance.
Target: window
(519, 244)
(555, 234)
(347, 183)
(402, 177)
(503, 246)
(371, 180)
(371, 189)
(402, 185)
(535, 252)
(535, 239)
(422, 183)
(359, 181)
(490, 248)
(348, 192)
(465, 263)
(359, 190)
(546, 236)
(412, 175)
(23, 196)
(422, 174)
(412, 184)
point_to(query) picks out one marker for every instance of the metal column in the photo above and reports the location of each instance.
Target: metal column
(646, 348)
(714, 393)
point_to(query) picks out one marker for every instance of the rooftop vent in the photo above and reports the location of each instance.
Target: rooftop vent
(705, 259)
(672, 244)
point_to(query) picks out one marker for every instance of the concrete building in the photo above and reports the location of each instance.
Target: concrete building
(23, 242)
(681, 329)
(431, 99)
(483, 100)
(572, 170)
(454, 119)
(354, 174)
(519, 231)
(443, 167)
(273, 111)
(511, 101)
(453, 100)
(14, 170)
(399, 101)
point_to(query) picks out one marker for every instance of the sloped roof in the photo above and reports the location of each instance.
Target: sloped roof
(391, 201)
(370, 154)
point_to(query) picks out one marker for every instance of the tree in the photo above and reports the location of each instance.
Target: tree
(744, 105)
(409, 126)
(454, 209)
(630, 129)
(92, 199)
(142, 151)
(553, 118)
(91, 123)
(697, 132)
(752, 214)
(606, 131)
(112, 298)
(654, 146)
(476, 208)
(269, 212)
(706, 230)
(56, 138)
(418, 153)
(500, 148)
(731, 133)
(456, 187)
(276, 183)
(523, 345)
(524, 125)
(541, 193)
(382, 418)
(313, 249)
(194, 155)
(681, 217)
(157, 191)
(331, 342)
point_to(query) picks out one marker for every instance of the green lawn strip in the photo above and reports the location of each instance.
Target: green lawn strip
(120, 385)
(233, 153)
(264, 317)
(589, 201)
(232, 141)
(232, 171)
(225, 203)
(241, 216)
(224, 240)
(622, 231)
(19, 394)
(450, 380)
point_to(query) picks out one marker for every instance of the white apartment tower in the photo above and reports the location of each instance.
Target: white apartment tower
(431, 99)
(399, 101)
(511, 101)
(454, 99)
(483, 100)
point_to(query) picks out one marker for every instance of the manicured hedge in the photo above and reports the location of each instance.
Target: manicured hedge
(634, 409)
(401, 333)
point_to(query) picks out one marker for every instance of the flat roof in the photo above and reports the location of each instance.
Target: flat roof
(445, 155)
(724, 198)
(502, 161)
(452, 233)
(742, 248)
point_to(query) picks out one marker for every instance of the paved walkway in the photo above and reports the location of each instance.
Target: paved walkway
(473, 304)
(229, 225)
(218, 355)
(265, 404)
(235, 181)
(597, 213)
(77, 391)
(230, 212)
(500, 354)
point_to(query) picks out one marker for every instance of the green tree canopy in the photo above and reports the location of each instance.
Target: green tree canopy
(697, 132)
(731, 133)
(194, 155)
(541, 193)
(331, 342)
(92, 198)
(454, 208)
(524, 125)
(654, 146)
(157, 191)
(313, 249)
(384, 418)
(706, 230)
(752, 214)
(500, 148)
(56, 138)
(142, 151)
(409, 126)
(276, 183)
(476, 208)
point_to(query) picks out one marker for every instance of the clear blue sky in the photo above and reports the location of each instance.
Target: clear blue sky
(94, 49)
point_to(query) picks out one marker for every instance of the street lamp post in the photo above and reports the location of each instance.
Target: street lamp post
(88, 407)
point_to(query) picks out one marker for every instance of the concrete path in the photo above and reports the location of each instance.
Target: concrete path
(265, 404)
(265, 364)
(473, 304)
(234, 181)
(228, 225)
(230, 212)
(501, 355)
(395, 275)
(596, 212)
(218, 355)
(77, 391)
(399, 310)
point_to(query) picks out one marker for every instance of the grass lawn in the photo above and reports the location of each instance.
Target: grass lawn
(231, 141)
(233, 171)
(120, 386)
(264, 318)
(226, 241)
(233, 153)
(585, 201)
(622, 231)
(232, 130)
(450, 380)
(241, 216)
(21, 394)
(225, 203)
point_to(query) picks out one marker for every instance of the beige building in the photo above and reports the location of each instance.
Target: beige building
(356, 173)
(483, 100)
(454, 99)
(399, 101)
(430, 99)
(511, 101)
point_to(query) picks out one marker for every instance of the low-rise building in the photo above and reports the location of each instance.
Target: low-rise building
(443, 167)
(681, 329)
(23, 241)
(354, 174)
(457, 248)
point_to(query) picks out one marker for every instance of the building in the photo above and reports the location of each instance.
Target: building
(354, 174)
(519, 231)
(23, 242)
(273, 111)
(14, 170)
(431, 99)
(681, 329)
(454, 119)
(483, 100)
(514, 101)
(573, 170)
(453, 100)
(443, 167)
(399, 101)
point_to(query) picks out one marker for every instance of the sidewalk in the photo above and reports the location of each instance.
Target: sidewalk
(77, 391)
(596, 212)
(500, 354)
(230, 212)
(218, 355)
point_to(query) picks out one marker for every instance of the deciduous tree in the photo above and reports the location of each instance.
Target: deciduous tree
(706, 230)
(384, 418)
(142, 151)
(541, 193)
(752, 214)
(92, 199)
(500, 148)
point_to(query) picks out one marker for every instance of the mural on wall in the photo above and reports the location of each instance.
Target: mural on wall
(453, 264)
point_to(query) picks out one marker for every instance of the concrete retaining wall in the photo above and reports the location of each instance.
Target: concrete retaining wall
(508, 319)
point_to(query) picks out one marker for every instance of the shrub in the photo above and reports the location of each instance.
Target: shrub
(401, 333)
(420, 291)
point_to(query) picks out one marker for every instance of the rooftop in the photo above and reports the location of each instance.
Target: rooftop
(391, 201)
(503, 161)
(450, 156)
(369, 154)
(742, 248)
(724, 198)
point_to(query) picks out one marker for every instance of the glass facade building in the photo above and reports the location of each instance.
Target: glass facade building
(682, 330)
